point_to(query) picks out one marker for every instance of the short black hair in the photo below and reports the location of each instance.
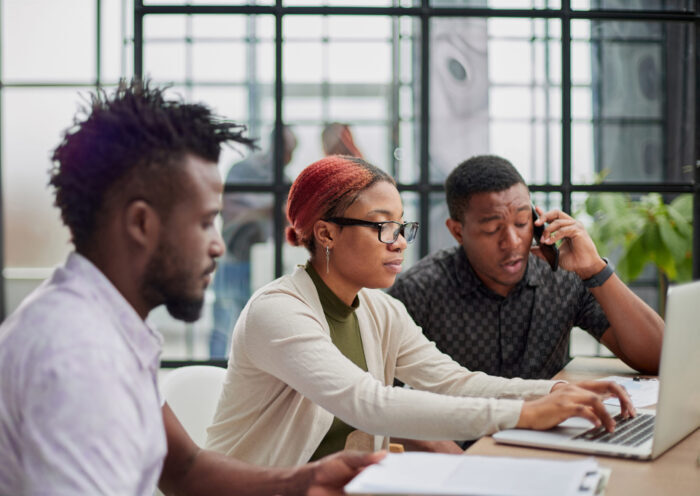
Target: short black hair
(479, 174)
(131, 143)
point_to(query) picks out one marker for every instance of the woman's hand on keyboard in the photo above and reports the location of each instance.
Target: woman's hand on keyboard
(609, 389)
(584, 399)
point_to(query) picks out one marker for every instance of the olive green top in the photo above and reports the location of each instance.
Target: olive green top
(345, 334)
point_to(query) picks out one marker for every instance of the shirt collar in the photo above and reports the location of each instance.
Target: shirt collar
(144, 342)
(470, 282)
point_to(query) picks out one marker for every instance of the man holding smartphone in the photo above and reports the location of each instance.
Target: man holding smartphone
(500, 305)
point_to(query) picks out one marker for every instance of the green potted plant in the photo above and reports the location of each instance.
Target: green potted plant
(644, 230)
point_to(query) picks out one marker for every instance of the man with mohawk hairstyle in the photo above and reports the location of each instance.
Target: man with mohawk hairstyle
(137, 184)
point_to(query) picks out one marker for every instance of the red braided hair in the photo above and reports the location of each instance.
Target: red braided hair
(324, 189)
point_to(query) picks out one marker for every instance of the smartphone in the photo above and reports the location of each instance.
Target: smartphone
(550, 252)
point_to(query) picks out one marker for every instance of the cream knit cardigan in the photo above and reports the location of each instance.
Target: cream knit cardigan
(286, 380)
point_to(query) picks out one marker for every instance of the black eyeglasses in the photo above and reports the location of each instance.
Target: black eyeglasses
(387, 231)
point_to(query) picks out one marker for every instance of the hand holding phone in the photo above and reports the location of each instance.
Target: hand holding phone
(550, 252)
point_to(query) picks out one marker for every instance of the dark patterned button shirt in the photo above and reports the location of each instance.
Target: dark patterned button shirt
(525, 334)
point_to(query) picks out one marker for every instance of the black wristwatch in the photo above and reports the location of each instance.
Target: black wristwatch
(598, 279)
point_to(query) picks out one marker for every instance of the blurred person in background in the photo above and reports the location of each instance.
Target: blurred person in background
(246, 220)
(337, 139)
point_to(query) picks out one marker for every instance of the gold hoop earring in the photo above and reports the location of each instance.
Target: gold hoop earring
(328, 260)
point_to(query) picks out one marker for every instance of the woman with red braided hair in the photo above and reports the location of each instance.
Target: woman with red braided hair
(315, 353)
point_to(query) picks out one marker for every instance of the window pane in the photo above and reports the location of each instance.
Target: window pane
(581, 103)
(354, 28)
(438, 237)
(545, 200)
(206, 2)
(230, 101)
(34, 235)
(303, 107)
(117, 32)
(164, 63)
(340, 3)
(352, 62)
(682, 5)
(346, 69)
(209, 49)
(31, 50)
(230, 27)
(356, 108)
(631, 122)
(499, 4)
(225, 61)
(406, 154)
(632, 153)
(218, 61)
(491, 91)
(170, 27)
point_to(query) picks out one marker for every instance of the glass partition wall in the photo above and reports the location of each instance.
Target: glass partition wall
(588, 99)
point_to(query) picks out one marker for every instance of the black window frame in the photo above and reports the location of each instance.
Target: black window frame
(423, 12)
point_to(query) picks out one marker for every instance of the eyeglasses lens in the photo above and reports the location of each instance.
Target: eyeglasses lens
(411, 231)
(391, 230)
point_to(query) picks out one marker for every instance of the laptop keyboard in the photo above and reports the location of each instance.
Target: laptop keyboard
(632, 431)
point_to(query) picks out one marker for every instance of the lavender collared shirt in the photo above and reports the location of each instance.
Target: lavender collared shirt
(79, 406)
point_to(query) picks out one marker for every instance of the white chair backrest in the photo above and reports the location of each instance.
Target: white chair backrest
(193, 393)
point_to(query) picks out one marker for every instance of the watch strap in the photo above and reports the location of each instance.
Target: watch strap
(598, 279)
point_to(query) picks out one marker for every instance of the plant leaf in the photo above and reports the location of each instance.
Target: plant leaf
(683, 204)
(682, 223)
(632, 261)
(677, 244)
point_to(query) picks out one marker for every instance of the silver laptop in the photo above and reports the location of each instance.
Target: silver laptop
(677, 411)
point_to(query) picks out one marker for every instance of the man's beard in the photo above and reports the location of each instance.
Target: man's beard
(187, 310)
(166, 282)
